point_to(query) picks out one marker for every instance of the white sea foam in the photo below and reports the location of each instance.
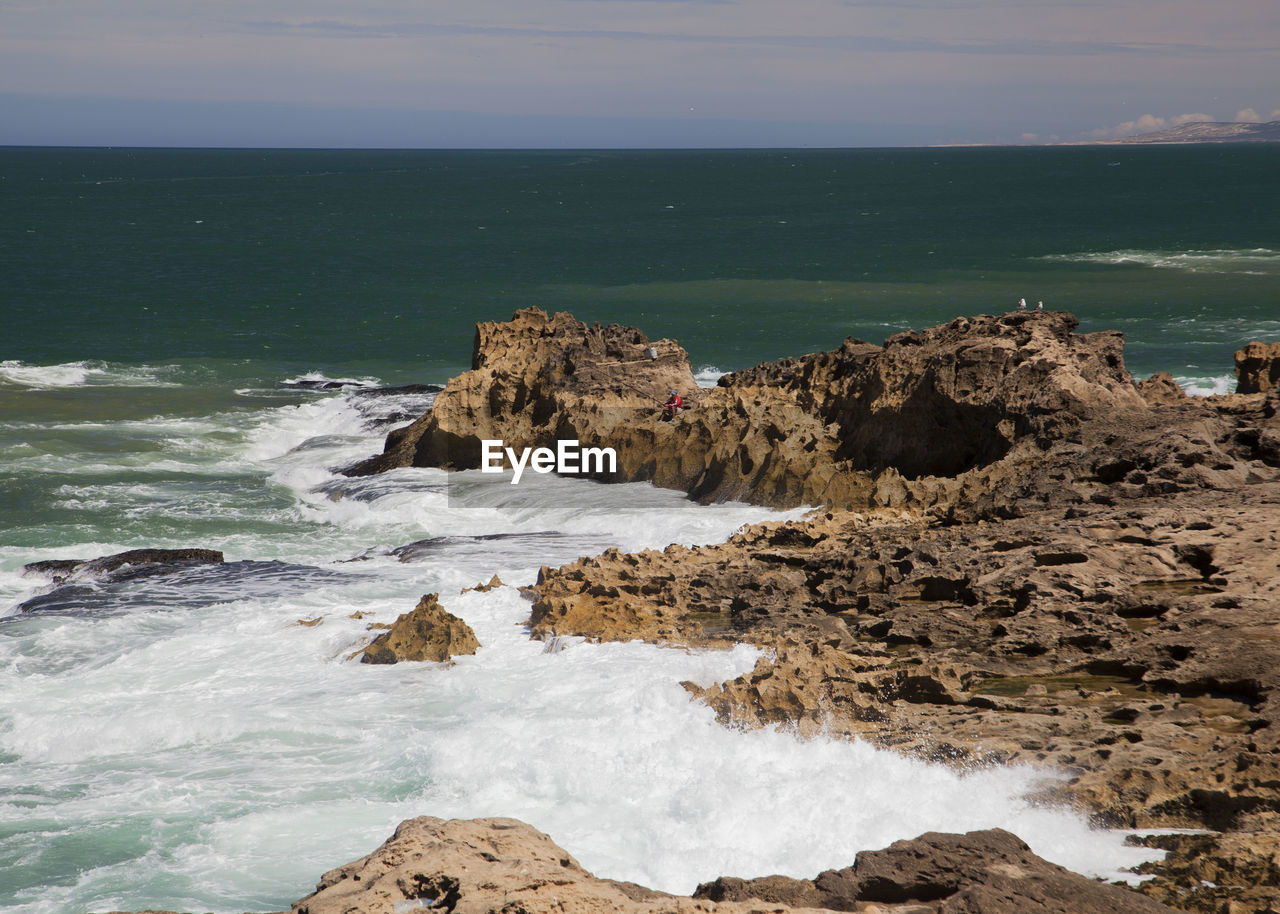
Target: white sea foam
(1207, 386)
(145, 719)
(87, 373)
(708, 375)
(320, 379)
(1251, 261)
(220, 757)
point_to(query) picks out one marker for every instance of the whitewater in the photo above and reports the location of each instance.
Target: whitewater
(210, 744)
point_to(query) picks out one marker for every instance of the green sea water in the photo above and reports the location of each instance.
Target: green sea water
(184, 744)
(380, 262)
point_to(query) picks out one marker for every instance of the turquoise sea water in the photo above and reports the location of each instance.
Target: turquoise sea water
(185, 744)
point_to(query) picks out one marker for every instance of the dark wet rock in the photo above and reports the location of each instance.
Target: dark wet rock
(386, 406)
(55, 569)
(543, 545)
(399, 391)
(422, 549)
(325, 385)
(134, 562)
(176, 585)
(428, 632)
(990, 872)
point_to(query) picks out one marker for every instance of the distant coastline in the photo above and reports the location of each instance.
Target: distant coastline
(1209, 132)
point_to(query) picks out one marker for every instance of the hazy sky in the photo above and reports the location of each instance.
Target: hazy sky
(627, 72)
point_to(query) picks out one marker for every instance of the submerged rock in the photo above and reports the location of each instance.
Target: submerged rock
(132, 562)
(146, 579)
(427, 632)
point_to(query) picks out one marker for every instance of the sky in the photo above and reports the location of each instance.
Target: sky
(627, 73)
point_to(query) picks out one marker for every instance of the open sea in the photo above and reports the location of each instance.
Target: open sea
(168, 319)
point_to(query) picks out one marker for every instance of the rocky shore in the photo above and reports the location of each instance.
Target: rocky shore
(504, 866)
(1019, 555)
(1024, 556)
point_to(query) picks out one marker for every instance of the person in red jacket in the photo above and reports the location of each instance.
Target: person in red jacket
(673, 406)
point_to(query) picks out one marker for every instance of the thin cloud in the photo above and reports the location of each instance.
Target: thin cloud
(864, 43)
(1250, 116)
(1149, 123)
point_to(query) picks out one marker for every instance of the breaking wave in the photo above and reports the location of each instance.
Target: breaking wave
(1251, 261)
(84, 374)
(1207, 387)
(708, 375)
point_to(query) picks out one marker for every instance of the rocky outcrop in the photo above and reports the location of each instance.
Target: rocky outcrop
(1131, 646)
(135, 562)
(483, 866)
(858, 426)
(982, 871)
(536, 379)
(1101, 598)
(1024, 557)
(1258, 368)
(427, 632)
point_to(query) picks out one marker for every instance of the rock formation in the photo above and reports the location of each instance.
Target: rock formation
(133, 561)
(485, 866)
(1024, 556)
(427, 632)
(536, 379)
(849, 428)
(1258, 368)
(981, 871)
(1112, 616)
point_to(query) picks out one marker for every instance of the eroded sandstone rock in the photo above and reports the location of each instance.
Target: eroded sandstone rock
(859, 426)
(1106, 604)
(427, 632)
(1258, 368)
(536, 379)
(485, 866)
(1048, 563)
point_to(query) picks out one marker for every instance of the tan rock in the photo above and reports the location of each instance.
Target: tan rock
(1161, 389)
(857, 426)
(428, 632)
(1047, 563)
(495, 581)
(1258, 368)
(484, 866)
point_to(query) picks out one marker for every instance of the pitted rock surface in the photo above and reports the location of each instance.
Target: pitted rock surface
(427, 632)
(1258, 368)
(859, 426)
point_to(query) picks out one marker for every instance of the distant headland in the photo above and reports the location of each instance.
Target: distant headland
(1208, 132)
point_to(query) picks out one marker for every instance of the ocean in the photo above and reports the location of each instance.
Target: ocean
(172, 320)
